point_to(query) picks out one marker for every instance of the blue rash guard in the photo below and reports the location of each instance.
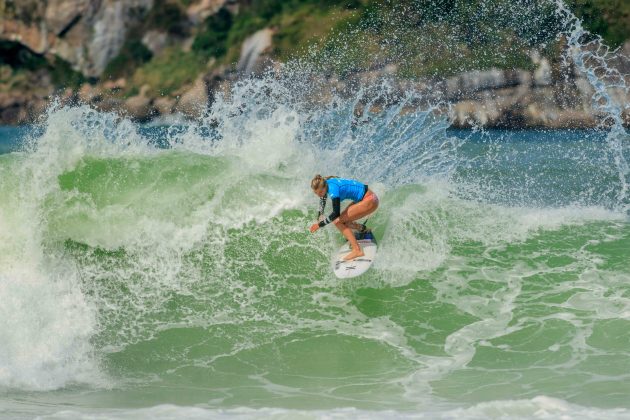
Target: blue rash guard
(340, 189)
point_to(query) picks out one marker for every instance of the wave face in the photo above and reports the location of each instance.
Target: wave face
(149, 265)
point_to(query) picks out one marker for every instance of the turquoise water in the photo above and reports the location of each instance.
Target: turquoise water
(168, 271)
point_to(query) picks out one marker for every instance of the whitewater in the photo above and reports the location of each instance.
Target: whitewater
(166, 270)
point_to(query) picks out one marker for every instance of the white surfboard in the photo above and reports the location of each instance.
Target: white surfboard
(356, 267)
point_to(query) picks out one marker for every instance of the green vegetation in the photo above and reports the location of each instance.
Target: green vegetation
(212, 39)
(132, 55)
(422, 37)
(168, 71)
(607, 18)
(167, 16)
(305, 27)
(439, 37)
(297, 23)
(442, 37)
(63, 75)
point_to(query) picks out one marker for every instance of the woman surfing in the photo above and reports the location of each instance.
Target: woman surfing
(364, 202)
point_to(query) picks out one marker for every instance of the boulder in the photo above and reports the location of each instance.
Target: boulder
(218, 82)
(33, 37)
(139, 106)
(13, 115)
(200, 10)
(115, 84)
(68, 96)
(89, 94)
(61, 15)
(8, 99)
(109, 104)
(164, 105)
(19, 108)
(474, 81)
(542, 74)
(155, 41)
(469, 113)
(194, 101)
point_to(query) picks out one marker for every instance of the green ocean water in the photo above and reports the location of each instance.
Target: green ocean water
(168, 271)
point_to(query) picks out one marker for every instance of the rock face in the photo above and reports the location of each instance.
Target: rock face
(61, 15)
(520, 99)
(86, 33)
(253, 59)
(155, 41)
(17, 107)
(200, 10)
(194, 101)
(466, 83)
(89, 33)
(139, 107)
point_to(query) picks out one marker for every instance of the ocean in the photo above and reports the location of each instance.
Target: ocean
(159, 271)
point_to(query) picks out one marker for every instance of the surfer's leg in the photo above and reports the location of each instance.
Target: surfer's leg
(356, 211)
(347, 233)
(355, 226)
(344, 218)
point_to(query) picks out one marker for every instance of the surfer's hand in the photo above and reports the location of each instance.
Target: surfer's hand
(314, 227)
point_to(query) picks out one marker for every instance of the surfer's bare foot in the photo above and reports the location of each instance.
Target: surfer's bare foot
(353, 254)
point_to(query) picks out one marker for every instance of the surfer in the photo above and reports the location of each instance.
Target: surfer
(364, 202)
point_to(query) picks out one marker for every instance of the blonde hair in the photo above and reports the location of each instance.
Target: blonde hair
(319, 182)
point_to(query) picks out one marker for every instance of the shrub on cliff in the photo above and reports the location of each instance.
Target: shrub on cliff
(169, 71)
(132, 55)
(167, 16)
(20, 59)
(608, 18)
(211, 40)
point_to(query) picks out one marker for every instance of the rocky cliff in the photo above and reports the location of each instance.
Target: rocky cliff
(151, 58)
(85, 33)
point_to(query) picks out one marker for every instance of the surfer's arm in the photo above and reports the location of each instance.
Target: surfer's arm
(336, 204)
(322, 207)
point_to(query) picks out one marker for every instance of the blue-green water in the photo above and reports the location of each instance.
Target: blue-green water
(168, 271)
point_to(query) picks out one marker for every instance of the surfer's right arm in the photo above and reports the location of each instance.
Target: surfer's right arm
(322, 207)
(336, 204)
